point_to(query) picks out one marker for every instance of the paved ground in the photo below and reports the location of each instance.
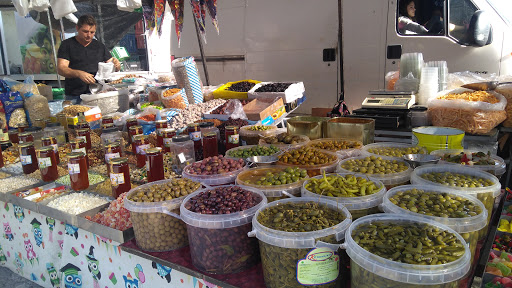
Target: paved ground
(13, 280)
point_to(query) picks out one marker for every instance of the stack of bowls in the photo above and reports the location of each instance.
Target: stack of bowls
(442, 69)
(411, 63)
(428, 85)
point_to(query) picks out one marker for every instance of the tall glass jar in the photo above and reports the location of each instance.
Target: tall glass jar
(134, 130)
(47, 163)
(78, 145)
(112, 135)
(77, 168)
(41, 123)
(131, 122)
(107, 120)
(141, 145)
(194, 132)
(182, 149)
(232, 137)
(119, 176)
(155, 164)
(112, 150)
(167, 135)
(28, 157)
(25, 137)
(210, 145)
(51, 141)
(57, 131)
(82, 123)
(86, 135)
(160, 126)
(13, 136)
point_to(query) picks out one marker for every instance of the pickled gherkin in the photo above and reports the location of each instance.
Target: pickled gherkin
(334, 185)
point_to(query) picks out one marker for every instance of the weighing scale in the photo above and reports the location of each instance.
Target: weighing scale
(381, 99)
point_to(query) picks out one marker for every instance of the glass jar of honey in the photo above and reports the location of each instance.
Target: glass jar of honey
(167, 135)
(28, 157)
(13, 136)
(86, 135)
(77, 168)
(51, 141)
(119, 176)
(232, 137)
(25, 137)
(78, 145)
(141, 145)
(210, 145)
(155, 164)
(47, 163)
(134, 130)
(107, 120)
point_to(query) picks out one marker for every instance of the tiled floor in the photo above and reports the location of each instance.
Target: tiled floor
(13, 280)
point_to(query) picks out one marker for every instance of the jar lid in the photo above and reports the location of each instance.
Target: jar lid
(193, 124)
(107, 117)
(75, 155)
(160, 121)
(25, 134)
(33, 129)
(210, 134)
(108, 125)
(82, 130)
(77, 140)
(119, 160)
(131, 119)
(154, 150)
(53, 124)
(113, 144)
(47, 138)
(232, 127)
(136, 127)
(418, 108)
(206, 124)
(169, 130)
(5, 142)
(140, 136)
(180, 138)
(26, 144)
(12, 132)
(45, 148)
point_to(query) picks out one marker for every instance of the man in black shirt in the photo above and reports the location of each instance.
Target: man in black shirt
(78, 57)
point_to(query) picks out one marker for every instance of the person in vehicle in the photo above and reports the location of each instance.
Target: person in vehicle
(407, 19)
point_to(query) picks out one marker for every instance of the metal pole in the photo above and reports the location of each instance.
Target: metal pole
(202, 54)
(61, 30)
(53, 46)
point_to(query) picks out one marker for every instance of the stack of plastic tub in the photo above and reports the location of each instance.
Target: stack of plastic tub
(442, 72)
(428, 85)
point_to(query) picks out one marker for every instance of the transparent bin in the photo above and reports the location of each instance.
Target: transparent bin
(157, 225)
(485, 194)
(352, 144)
(273, 136)
(281, 251)
(249, 147)
(249, 137)
(318, 169)
(469, 227)
(370, 270)
(389, 180)
(274, 192)
(358, 206)
(219, 243)
(213, 180)
(498, 169)
(403, 148)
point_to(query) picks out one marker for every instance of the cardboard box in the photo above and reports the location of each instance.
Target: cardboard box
(261, 109)
(94, 114)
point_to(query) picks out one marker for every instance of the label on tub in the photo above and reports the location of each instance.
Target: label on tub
(116, 179)
(73, 168)
(320, 266)
(44, 162)
(25, 159)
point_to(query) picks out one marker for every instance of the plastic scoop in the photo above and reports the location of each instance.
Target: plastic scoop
(484, 86)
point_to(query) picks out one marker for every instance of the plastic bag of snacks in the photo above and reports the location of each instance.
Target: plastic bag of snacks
(37, 107)
(468, 110)
(174, 98)
(13, 106)
(506, 91)
(26, 88)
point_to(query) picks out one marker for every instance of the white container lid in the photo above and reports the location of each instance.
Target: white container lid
(498, 169)
(366, 148)
(437, 168)
(422, 275)
(220, 221)
(273, 190)
(296, 240)
(386, 179)
(352, 203)
(216, 179)
(460, 225)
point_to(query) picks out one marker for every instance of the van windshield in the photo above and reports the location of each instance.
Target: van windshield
(503, 8)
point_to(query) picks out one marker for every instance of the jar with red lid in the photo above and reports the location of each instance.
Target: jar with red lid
(232, 137)
(141, 145)
(119, 176)
(13, 136)
(155, 164)
(134, 130)
(78, 145)
(131, 122)
(86, 135)
(28, 157)
(210, 145)
(107, 120)
(52, 141)
(25, 137)
(77, 168)
(167, 135)
(194, 131)
(160, 126)
(47, 163)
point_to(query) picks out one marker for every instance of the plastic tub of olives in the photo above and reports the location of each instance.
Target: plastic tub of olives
(273, 191)
(157, 225)
(463, 213)
(360, 197)
(392, 175)
(219, 242)
(215, 179)
(317, 169)
(498, 169)
(283, 254)
(482, 185)
(252, 137)
(393, 264)
(230, 152)
(392, 150)
(279, 138)
(344, 148)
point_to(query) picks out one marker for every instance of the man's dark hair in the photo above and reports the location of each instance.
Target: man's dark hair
(86, 20)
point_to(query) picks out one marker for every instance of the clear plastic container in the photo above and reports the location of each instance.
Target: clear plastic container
(300, 139)
(358, 206)
(274, 192)
(343, 153)
(228, 153)
(282, 251)
(389, 180)
(56, 131)
(223, 236)
(370, 270)
(250, 137)
(468, 227)
(404, 148)
(314, 170)
(213, 180)
(157, 225)
(498, 169)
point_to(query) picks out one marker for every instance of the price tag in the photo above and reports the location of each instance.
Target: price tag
(117, 179)
(181, 157)
(80, 150)
(141, 149)
(147, 165)
(167, 142)
(25, 160)
(195, 136)
(73, 168)
(234, 139)
(109, 156)
(44, 162)
(320, 266)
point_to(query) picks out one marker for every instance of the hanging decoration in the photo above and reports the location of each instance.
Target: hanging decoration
(159, 15)
(177, 7)
(212, 10)
(196, 10)
(149, 15)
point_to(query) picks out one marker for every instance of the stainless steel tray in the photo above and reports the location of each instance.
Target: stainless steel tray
(102, 230)
(4, 196)
(26, 203)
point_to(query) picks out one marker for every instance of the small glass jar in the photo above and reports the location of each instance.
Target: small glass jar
(119, 176)
(112, 150)
(51, 141)
(131, 122)
(167, 135)
(86, 135)
(134, 130)
(22, 127)
(25, 137)
(210, 145)
(57, 131)
(232, 137)
(194, 133)
(41, 123)
(28, 157)
(155, 164)
(160, 126)
(182, 149)
(13, 136)
(107, 120)
(78, 145)
(141, 145)
(47, 163)
(77, 168)
(112, 135)
(207, 127)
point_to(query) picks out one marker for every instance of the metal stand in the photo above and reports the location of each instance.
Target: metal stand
(202, 54)
(53, 46)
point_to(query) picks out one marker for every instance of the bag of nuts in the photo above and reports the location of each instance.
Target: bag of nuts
(174, 98)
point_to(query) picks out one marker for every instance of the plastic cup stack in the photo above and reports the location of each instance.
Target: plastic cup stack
(442, 72)
(411, 62)
(428, 85)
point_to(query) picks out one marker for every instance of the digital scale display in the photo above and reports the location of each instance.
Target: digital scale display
(389, 100)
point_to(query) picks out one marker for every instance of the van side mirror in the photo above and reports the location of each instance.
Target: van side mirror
(480, 29)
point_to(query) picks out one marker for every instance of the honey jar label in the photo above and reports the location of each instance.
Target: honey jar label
(25, 159)
(195, 136)
(73, 168)
(80, 150)
(141, 149)
(320, 266)
(167, 142)
(55, 148)
(109, 156)
(44, 162)
(234, 139)
(81, 137)
(117, 179)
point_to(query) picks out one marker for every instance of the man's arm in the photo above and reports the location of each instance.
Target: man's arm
(116, 62)
(64, 70)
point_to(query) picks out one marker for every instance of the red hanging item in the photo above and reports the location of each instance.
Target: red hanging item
(212, 10)
(159, 15)
(177, 7)
(149, 16)
(196, 10)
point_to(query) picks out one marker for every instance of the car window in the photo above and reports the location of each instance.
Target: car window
(420, 17)
(503, 8)
(459, 17)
